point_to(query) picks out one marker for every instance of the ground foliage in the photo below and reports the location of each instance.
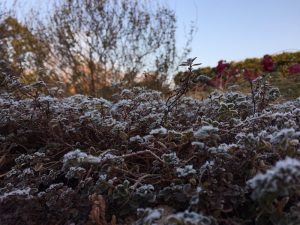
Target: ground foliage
(85, 160)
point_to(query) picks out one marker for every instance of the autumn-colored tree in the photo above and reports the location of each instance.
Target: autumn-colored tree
(21, 50)
(95, 43)
(91, 44)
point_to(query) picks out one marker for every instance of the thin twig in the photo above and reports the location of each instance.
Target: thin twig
(253, 97)
(142, 178)
(142, 153)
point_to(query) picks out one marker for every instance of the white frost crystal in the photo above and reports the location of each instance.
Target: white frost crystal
(187, 170)
(18, 192)
(160, 130)
(205, 132)
(78, 157)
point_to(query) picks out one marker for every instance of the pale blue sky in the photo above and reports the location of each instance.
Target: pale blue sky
(233, 29)
(237, 29)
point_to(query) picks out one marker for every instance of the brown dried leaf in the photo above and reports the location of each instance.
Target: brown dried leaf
(113, 220)
(2, 160)
(97, 214)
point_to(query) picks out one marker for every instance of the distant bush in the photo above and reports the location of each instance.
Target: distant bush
(283, 70)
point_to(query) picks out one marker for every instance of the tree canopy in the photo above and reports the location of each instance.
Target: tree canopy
(92, 44)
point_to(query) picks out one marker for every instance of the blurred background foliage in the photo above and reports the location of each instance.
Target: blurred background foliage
(283, 71)
(93, 47)
(97, 48)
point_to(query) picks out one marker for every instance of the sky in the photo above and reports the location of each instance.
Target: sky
(237, 29)
(234, 29)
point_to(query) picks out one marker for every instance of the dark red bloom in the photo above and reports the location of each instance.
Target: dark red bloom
(267, 63)
(294, 69)
(250, 75)
(222, 65)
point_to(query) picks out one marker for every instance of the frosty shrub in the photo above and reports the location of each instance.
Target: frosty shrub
(96, 161)
(278, 180)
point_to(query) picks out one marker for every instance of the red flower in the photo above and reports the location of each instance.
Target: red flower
(267, 63)
(222, 65)
(250, 75)
(294, 69)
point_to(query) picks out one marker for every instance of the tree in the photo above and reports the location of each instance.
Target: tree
(20, 49)
(97, 42)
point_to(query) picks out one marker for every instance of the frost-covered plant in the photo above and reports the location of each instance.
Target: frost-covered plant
(262, 93)
(67, 148)
(144, 194)
(121, 192)
(170, 158)
(174, 194)
(75, 172)
(185, 171)
(190, 218)
(77, 157)
(15, 193)
(285, 136)
(173, 100)
(278, 181)
(144, 190)
(159, 131)
(148, 216)
(205, 132)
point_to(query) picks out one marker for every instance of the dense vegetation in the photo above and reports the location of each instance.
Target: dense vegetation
(134, 160)
(221, 148)
(282, 70)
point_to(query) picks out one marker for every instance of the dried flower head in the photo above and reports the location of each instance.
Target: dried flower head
(189, 62)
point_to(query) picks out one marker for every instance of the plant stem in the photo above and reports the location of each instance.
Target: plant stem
(253, 97)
